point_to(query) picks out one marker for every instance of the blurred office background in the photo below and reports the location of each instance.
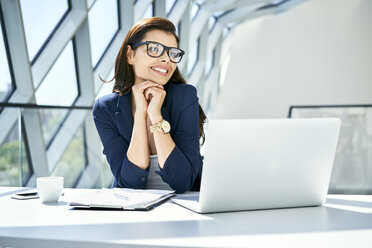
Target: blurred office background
(247, 58)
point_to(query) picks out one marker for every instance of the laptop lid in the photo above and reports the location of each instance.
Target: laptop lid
(269, 163)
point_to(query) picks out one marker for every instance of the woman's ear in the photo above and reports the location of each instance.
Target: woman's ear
(130, 55)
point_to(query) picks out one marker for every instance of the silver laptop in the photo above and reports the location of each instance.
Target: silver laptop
(264, 164)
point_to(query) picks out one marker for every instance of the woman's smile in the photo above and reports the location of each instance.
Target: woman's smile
(162, 70)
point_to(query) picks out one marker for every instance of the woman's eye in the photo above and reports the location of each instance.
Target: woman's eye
(174, 54)
(154, 49)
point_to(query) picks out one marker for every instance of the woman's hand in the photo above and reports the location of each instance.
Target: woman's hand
(156, 97)
(141, 102)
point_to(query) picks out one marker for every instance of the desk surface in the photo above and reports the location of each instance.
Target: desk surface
(344, 221)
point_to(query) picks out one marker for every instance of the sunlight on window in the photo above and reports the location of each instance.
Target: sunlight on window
(40, 17)
(60, 85)
(10, 169)
(169, 5)
(194, 10)
(5, 79)
(103, 24)
(149, 11)
(193, 57)
(73, 161)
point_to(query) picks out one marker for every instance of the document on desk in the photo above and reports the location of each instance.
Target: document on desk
(122, 198)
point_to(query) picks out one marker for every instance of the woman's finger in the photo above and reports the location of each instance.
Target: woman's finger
(153, 91)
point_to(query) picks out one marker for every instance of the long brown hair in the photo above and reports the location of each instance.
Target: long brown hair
(124, 73)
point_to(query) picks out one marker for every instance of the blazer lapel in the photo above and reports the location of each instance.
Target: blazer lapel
(124, 116)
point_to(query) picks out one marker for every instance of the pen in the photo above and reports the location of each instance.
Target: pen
(121, 196)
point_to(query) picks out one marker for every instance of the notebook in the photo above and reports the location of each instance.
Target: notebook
(122, 198)
(265, 164)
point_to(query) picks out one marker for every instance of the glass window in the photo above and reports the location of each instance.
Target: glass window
(59, 87)
(103, 24)
(51, 120)
(169, 5)
(193, 57)
(212, 21)
(40, 17)
(6, 85)
(351, 173)
(178, 29)
(105, 179)
(10, 169)
(225, 32)
(149, 11)
(73, 161)
(106, 88)
(209, 64)
(194, 10)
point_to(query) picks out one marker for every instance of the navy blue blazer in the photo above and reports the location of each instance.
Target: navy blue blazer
(113, 117)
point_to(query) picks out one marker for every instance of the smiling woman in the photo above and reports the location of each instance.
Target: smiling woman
(151, 125)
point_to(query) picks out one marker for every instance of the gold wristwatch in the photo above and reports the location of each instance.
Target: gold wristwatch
(162, 126)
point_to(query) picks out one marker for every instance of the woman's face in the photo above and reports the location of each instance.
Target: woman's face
(158, 70)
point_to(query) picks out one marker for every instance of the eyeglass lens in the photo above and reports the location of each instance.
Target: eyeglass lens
(156, 49)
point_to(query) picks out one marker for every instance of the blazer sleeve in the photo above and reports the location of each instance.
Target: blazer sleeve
(184, 162)
(126, 174)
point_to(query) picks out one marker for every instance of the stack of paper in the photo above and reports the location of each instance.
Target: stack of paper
(123, 198)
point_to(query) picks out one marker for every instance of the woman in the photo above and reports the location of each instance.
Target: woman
(151, 124)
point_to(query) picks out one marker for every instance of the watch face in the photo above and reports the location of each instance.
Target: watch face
(165, 126)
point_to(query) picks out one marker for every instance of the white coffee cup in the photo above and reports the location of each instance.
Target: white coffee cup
(49, 188)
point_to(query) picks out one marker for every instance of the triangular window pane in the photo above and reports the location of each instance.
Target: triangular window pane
(73, 161)
(40, 17)
(102, 27)
(60, 85)
(10, 163)
(6, 85)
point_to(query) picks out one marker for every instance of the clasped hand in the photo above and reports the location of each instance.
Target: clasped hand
(149, 97)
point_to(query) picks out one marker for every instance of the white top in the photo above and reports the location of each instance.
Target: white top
(154, 180)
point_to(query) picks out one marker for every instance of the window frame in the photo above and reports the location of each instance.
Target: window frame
(10, 67)
(45, 43)
(112, 39)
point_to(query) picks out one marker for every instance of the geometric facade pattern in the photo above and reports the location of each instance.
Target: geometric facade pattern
(53, 53)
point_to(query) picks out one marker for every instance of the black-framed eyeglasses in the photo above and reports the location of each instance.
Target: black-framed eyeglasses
(156, 49)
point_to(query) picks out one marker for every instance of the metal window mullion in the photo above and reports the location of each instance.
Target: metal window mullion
(17, 46)
(89, 176)
(64, 137)
(178, 11)
(83, 60)
(215, 37)
(107, 61)
(242, 14)
(90, 3)
(126, 15)
(184, 34)
(84, 69)
(36, 143)
(57, 43)
(209, 82)
(198, 26)
(24, 92)
(159, 8)
(93, 151)
(198, 72)
(140, 8)
(212, 79)
(94, 147)
(223, 5)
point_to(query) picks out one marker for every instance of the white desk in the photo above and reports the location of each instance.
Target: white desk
(344, 221)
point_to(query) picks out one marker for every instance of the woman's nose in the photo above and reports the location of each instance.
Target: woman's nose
(165, 57)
